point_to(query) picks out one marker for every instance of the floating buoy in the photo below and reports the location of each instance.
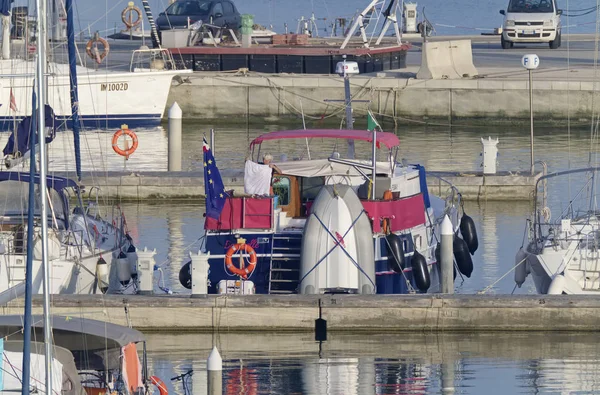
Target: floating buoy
(557, 286)
(185, 275)
(123, 270)
(520, 267)
(420, 271)
(102, 275)
(395, 255)
(469, 233)
(462, 256)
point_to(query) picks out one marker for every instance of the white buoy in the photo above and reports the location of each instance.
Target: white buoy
(174, 154)
(214, 366)
(557, 286)
(520, 267)
(102, 275)
(123, 269)
(447, 257)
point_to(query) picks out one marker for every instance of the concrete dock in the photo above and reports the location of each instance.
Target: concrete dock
(190, 185)
(344, 313)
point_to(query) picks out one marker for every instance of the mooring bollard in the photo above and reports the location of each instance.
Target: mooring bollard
(199, 271)
(145, 271)
(447, 257)
(175, 118)
(215, 372)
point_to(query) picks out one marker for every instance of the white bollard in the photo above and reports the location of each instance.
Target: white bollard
(215, 372)
(447, 257)
(145, 271)
(490, 155)
(175, 119)
(199, 272)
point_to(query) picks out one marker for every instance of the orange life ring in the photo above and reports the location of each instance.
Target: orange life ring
(162, 388)
(387, 195)
(115, 141)
(131, 8)
(242, 271)
(92, 50)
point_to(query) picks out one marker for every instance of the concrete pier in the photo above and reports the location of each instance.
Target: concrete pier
(344, 313)
(190, 185)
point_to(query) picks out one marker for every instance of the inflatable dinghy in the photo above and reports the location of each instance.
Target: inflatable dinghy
(337, 247)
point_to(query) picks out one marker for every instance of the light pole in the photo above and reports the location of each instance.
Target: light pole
(531, 62)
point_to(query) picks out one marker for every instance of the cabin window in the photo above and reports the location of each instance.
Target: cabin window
(281, 188)
(311, 187)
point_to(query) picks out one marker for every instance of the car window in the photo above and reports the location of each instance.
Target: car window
(189, 7)
(217, 9)
(530, 6)
(228, 8)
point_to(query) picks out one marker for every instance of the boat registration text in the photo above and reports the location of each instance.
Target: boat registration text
(118, 86)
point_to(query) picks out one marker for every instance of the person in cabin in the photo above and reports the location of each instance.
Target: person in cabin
(258, 176)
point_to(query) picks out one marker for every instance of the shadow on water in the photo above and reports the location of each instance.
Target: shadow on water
(407, 363)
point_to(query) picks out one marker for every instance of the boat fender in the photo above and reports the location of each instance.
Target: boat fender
(185, 275)
(438, 259)
(420, 271)
(469, 233)
(160, 385)
(102, 275)
(395, 255)
(123, 270)
(520, 267)
(557, 286)
(133, 260)
(462, 256)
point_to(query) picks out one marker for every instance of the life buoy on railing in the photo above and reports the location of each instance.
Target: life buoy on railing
(130, 9)
(92, 50)
(128, 151)
(162, 388)
(242, 271)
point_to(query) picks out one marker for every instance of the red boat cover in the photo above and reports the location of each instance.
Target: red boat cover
(403, 214)
(239, 213)
(388, 139)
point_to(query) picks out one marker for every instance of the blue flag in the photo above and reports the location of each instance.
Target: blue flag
(213, 184)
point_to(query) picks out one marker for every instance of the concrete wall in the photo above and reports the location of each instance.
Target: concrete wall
(278, 96)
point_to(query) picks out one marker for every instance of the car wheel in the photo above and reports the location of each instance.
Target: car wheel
(505, 44)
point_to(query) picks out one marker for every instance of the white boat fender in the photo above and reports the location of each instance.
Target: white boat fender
(396, 260)
(185, 275)
(132, 258)
(462, 256)
(102, 274)
(520, 267)
(123, 269)
(420, 271)
(557, 286)
(469, 233)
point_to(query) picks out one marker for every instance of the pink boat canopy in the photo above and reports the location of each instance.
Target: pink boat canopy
(388, 139)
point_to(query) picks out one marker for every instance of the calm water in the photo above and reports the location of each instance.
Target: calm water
(385, 363)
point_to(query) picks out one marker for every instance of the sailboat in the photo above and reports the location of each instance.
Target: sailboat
(87, 253)
(107, 99)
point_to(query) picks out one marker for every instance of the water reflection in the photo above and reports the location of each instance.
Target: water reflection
(493, 363)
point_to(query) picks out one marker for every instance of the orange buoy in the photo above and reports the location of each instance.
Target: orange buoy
(92, 50)
(115, 142)
(242, 271)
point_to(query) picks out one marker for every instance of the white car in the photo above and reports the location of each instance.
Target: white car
(531, 21)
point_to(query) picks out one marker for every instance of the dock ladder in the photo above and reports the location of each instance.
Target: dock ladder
(284, 272)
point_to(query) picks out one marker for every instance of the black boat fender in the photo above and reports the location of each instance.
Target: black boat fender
(462, 256)
(420, 271)
(395, 255)
(185, 275)
(469, 233)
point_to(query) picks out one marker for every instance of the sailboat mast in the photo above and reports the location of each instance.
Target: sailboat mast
(73, 85)
(42, 84)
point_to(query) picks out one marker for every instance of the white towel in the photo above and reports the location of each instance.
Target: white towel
(257, 178)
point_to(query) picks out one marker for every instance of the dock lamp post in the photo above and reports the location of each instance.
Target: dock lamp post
(345, 69)
(531, 62)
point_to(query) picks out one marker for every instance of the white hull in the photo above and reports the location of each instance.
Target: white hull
(106, 99)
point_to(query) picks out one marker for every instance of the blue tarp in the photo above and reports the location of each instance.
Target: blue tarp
(22, 132)
(5, 6)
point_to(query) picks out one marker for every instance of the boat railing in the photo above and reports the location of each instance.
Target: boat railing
(453, 197)
(145, 59)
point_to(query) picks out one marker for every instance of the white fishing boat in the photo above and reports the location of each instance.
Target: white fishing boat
(562, 252)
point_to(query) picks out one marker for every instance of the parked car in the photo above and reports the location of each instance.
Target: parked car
(220, 13)
(531, 21)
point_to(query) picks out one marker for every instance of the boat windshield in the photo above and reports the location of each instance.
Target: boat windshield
(14, 200)
(189, 7)
(531, 6)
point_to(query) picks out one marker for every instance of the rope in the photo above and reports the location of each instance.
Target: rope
(496, 282)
